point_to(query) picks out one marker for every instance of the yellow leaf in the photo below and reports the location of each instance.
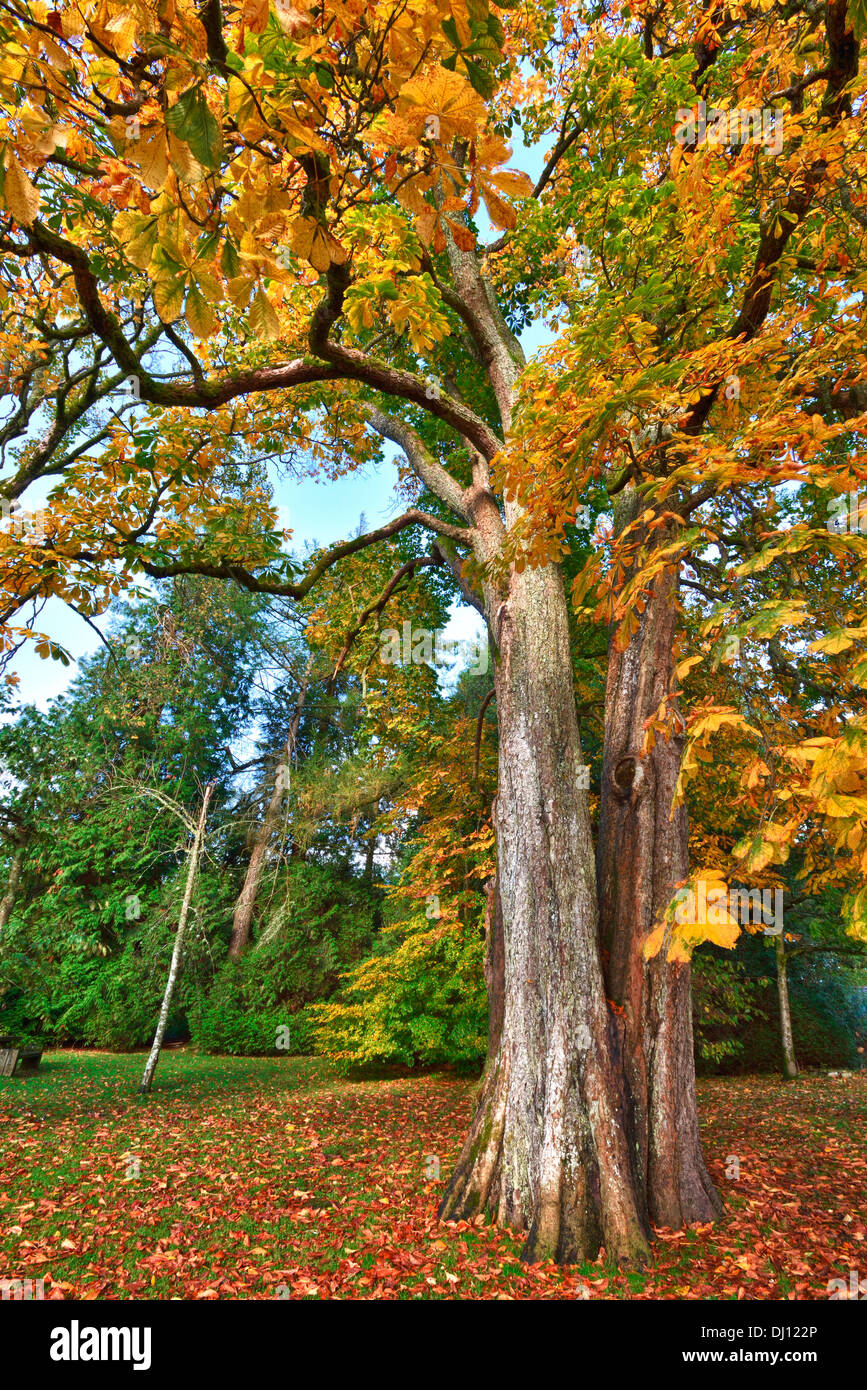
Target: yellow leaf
(149, 154)
(836, 641)
(755, 853)
(122, 29)
(291, 20)
(461, 18)
(169, 298)
(185, 165)
(255, 15)
(19, 194)
(843, 806)
(198, 314)
(239, 290)
(512, 182)
(302, 134)
(263, 319)
(680, 951)
(500, 213)
(722, 933)
(448, 100)
(311, 241)
(140, 249)
(653, 943)
(685, 666)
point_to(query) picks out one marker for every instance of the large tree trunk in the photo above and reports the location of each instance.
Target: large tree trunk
(790, 1061)
(642, 855)
(549, 1152)
(242, 920)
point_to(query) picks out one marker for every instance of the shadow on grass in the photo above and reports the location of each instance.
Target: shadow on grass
(69, 1083)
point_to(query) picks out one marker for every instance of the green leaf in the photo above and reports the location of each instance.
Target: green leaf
(192, 120)
(230, 260)
(858, 18)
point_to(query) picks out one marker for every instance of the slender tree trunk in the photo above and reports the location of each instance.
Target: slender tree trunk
(7, 902)
(790, 1061)
(242, 920)
(549, 1152)
(369, 860)
(642, 855)
(177, 951)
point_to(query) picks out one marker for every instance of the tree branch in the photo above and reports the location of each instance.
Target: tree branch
(226, 570)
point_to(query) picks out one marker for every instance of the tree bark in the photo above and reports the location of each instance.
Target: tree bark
(242, 920)
(642, 855)
(177, 950)
(7, 902)
(790, 1061)
(495, 965)
(548, 1152)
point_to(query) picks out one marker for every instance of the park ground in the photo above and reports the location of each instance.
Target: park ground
(263, 1178)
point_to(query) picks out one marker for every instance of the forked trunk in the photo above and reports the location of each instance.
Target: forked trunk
(549, 1152)
(642, 855)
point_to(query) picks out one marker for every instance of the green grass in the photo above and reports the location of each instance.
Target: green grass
(259, 1177)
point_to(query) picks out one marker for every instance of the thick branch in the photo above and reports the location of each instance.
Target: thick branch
(338, 362)
(226, 570)
(422, 462)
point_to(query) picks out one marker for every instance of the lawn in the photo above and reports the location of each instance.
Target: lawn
(263, 1178)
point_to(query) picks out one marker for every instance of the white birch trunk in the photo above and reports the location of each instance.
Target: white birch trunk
(177, 952)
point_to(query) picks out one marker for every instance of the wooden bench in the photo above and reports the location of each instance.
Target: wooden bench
(27, 1059)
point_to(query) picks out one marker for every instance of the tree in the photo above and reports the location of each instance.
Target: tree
(198, 833)
(243, 915)
(420, 995)
(700, 281)
(98, 898)
(321, 169)
(790, 1064)
(384, 106)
